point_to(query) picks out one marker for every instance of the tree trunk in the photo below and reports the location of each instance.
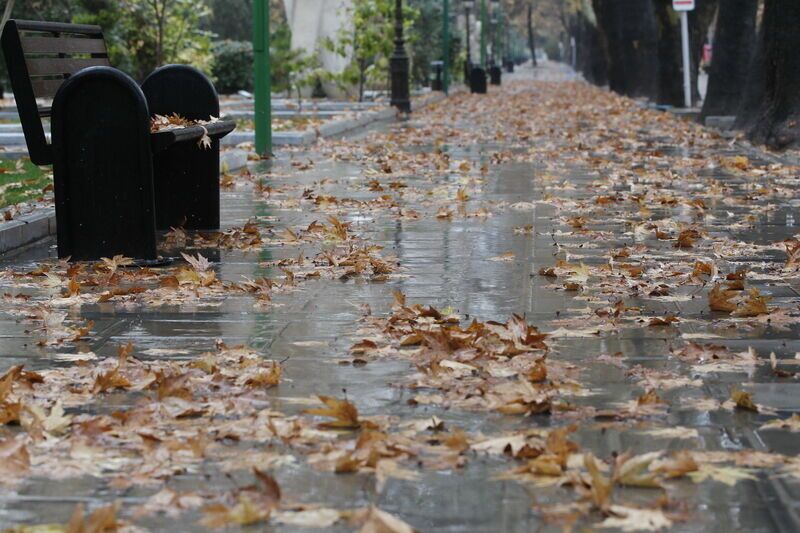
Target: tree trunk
(670, 59)
(362, 78)
(591, 56)
(531, 37)
(754, 90)
(777, 123)
(732, 50)
(629, 32)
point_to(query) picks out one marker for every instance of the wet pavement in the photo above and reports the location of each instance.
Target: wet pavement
(472, 201)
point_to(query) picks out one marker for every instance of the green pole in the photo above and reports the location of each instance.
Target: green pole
(501, 28)
(446, 45)
(484, 24)
(263, 86)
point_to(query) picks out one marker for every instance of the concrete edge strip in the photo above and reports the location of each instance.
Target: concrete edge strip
(339, 127)
(27, 229)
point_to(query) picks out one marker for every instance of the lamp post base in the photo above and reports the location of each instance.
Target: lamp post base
(399, 64)
(400, 94)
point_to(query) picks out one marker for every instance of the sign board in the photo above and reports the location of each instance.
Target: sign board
(683, 5)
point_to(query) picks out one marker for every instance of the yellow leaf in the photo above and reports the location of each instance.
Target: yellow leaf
(744, 400)
(728, 475)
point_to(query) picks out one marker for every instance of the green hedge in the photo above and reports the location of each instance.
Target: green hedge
(233, 66)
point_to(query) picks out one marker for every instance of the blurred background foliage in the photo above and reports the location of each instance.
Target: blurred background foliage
(214, 35)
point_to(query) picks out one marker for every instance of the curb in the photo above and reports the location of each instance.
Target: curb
(27, 229)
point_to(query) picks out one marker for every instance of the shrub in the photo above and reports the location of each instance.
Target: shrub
(233, 66)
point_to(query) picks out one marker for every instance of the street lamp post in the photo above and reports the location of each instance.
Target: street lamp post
(446, 45)
(263, 89)
(468, 66)
(398, 64)
(484, 24)
(495, 73)
(492, 40)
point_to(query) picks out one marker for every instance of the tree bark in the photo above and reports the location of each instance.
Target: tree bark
(629, 32)
(670, 61)
(777, 123)
(732, 51)
(591, 56)
(754, 90)
(531, 37)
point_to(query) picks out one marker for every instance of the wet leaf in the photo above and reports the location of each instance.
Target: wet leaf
(719, 299)
(378, 521)
(243, 513)
(635, 519)
(343, 411)
(729, 475)
(743, 400)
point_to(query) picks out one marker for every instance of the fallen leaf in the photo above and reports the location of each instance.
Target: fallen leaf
(635, 519)
(729, 475)
(343, 411)
(743, 400)
(377, 521)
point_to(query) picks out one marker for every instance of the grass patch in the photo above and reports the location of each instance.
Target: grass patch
(22, 181)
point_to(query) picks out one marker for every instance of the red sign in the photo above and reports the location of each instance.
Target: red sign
(683, 5)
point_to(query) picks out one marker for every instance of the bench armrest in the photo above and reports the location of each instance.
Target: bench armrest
(161, 140)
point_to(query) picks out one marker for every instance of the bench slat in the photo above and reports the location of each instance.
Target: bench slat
(62, 45)
(58, 27)
(54, 66)
(46, 88)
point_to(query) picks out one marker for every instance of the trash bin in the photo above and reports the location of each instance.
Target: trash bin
(495, 73)
(477, 80)
(437, 76)
(509, 64)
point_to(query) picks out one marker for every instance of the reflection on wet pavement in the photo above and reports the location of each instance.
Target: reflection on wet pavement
(472, 201)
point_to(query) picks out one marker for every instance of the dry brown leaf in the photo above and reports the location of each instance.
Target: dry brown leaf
(633, 470)
(343, 411)
(601, 487)
(719, 299)
(243, 513)
(677, 465)
(14, 459)
(102, 520)
(754, 305)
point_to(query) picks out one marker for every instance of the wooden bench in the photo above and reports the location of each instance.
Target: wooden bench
(116, 183)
